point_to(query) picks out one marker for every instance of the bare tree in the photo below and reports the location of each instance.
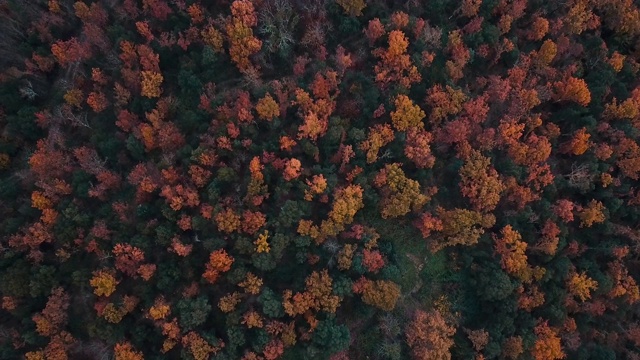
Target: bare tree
(580, 177)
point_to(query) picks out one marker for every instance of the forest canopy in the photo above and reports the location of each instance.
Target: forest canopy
(348, 179)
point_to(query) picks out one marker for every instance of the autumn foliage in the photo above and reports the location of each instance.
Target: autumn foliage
(219, 262)
(547, 345)
(275, 179)
(429, 335)
(395, 64)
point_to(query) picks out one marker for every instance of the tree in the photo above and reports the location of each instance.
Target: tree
(512, 251)
(261, 243)
(629, 158)
(372, 260)
(70, 51)
(627, 109)
(238, 28)
(345, 257)
(252, 221)
(427, 223)
(480, 182)
(229, 302)
(287, 143)
(547, 345)
(395, 64)
(400, 194)
(479, 338)
(536, 150)
(313, 127)
(317, 185)
(128, 258)
(417, 148)
(546, 54)
(578, 144)
(199, 348)
(48, 161)
(592, 214)
(539, 29)
(623, 284)
(212, 37)
(267, 108)
(460, 226)
(379, 136)
(469, 8)
(251, 284)
(444, 102)
(273, 350)
(160, 309)
(347, 202)
(317, 296)
(252, 319)
(512, 347)
(564, 209)
(54, 316)
(103, 283)
(331, 336)
(352, 7)
(572, 89)
(374, 30)
(549, 239)
(227, 220)
(97, 101)
(125, 351)
(407, 115)
(219, 262)
(292, 169)
(265, 205)
(193, 312)
(429, 335)
(530, 298)
(459, 54)
(580, 286)
(151, 84)
(382, 294)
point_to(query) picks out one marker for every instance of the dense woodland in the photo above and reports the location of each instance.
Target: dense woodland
(319, 179)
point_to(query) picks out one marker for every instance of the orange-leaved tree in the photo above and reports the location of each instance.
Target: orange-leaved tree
(227, 220)
(547, 345)
(150, 83)
(103, 283)
(352, 7)
(219, 262)
(400, 194)
(592, 214)
(511, 248)
(54, 316)
(549, 238)
(430, 336)
(240, 33)
(407, 114)
(128, 258)
(317, 296)
(572, 89)
(578, 144)
(459, 227)
(395, 64)
(417, 148)
(480, 182)
(379, 136)
(347, 201)
(125, 351)
(382, 294)
(267, 108)
(580, 285)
